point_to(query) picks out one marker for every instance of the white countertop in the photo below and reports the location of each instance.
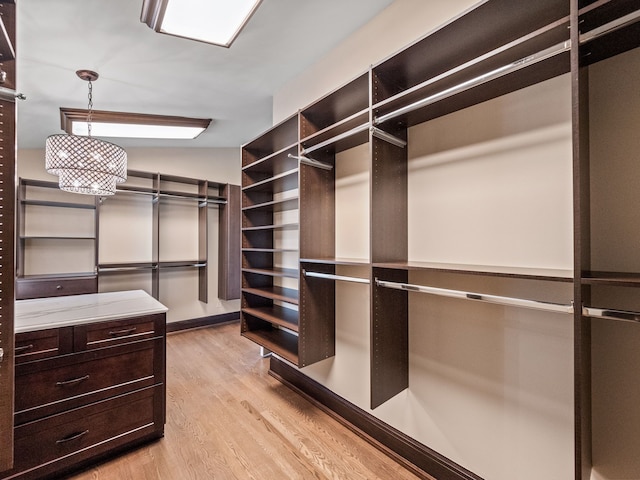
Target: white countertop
(53, 312)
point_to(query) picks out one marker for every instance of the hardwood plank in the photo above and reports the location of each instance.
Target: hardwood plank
(228, 419)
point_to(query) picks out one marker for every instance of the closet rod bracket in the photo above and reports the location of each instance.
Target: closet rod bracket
(311, 162)
(387, 137)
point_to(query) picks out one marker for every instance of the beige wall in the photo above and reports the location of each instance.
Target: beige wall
(400, 24)
(126, 223)
(220, 164)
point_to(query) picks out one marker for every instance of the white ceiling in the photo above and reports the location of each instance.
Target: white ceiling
(146, 72)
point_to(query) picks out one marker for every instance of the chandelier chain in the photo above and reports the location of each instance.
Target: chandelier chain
(90, 108)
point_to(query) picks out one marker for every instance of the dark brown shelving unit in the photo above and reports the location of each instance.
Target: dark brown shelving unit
(150, 187)
(473, 65)
(202, 194)
(269, 240)
(496, 48)
(41, 194)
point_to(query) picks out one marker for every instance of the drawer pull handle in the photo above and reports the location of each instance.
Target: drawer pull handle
(73, 436)
(24, 348)
(119, 333)
(72, 382)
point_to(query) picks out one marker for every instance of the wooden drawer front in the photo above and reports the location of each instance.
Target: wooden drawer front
(54, 287)
(55, 382)
(42, 344)
(106, 334)
(78, 430)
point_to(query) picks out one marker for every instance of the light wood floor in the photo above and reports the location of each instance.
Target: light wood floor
(227, 419)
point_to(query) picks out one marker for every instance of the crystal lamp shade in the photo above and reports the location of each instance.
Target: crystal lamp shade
(85, 164)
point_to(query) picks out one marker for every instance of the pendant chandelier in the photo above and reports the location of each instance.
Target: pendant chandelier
(85, 164)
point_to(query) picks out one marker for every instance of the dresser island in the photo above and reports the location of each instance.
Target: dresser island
(89, 379)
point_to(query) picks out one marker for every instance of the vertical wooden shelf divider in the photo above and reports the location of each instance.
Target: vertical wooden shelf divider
(389, 337)
(389, 243)
(155, 238)
(582, 254)
(7, 232)
(203, 239)
(229, 255)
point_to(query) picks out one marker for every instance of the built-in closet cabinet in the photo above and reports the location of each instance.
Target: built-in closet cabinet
(270, 240)
(67, 243)
(490, 169)
(443, 73)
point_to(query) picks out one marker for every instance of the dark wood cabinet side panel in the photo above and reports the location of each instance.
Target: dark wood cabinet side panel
(229, 281)
(203, 243)
(582, 253)
(389, 217)
(317, 212)
(317, 324)
(582, 262)
(389, 338)
(7, 241)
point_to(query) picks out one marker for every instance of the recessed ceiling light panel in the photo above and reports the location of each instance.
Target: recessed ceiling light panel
(212, 21)
(131, 125)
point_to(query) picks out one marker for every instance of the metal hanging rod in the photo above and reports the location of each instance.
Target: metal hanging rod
(212, 203)
(611, 314)
(479, 80)
(331, 276)
(181, 197)
(612, 26)
(311, 162)
(387, 137)
(126, 269)
(337, 138)
(497, 299)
